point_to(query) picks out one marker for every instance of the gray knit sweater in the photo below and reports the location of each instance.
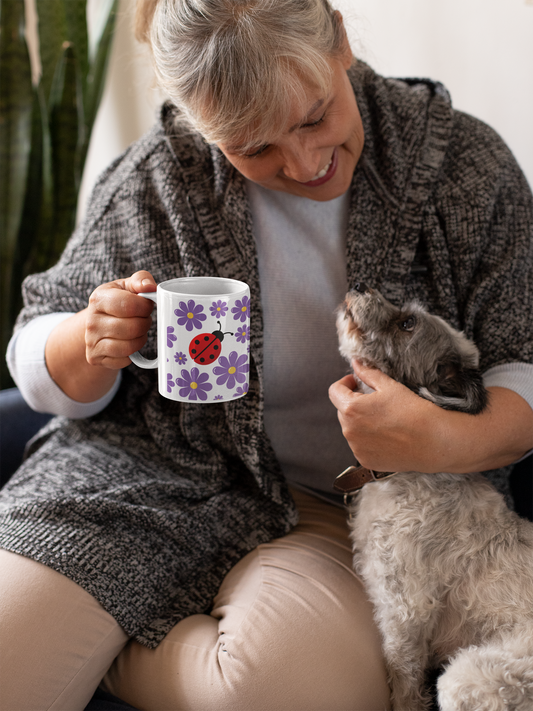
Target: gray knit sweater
(148, 504)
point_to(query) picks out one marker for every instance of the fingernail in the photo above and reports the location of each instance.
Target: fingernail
(146, 282)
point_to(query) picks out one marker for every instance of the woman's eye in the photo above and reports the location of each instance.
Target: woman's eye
(256, 153)
(408, 324)
(313, 124)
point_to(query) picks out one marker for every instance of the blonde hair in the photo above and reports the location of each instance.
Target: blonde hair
(234, 67)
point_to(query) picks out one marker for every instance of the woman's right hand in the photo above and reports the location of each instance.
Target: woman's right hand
(116, 321)
(84, 352)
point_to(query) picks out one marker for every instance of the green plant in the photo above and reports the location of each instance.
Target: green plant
(44, 136)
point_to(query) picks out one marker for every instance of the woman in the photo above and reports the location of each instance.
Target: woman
(200, 541)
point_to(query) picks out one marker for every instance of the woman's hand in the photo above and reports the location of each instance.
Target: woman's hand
(116, 321)
(84, 352)
(387, 429)
(393, 429)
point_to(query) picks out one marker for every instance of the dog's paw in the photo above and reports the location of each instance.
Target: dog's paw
(487, 679)
(412, 702)
(408, 691)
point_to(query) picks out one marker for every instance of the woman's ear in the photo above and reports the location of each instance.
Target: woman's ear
(345, 55)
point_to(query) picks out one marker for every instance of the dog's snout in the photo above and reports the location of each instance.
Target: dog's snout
(361, 287)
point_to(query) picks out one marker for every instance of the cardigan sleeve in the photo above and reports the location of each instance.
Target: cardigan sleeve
(485, 210)
(128, 227)
(132, 220)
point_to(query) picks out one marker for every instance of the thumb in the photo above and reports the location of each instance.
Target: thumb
(372, 377)
(141, 281)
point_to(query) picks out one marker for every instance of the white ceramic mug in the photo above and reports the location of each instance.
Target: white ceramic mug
(203, 339)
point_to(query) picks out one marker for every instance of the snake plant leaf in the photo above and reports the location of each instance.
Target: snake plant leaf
(37, 217)
(101, 27)
(76, 17)
(53, 32)
(44, 135)
(16, 101)
(99, 59)
(30, 216)
(67, 132)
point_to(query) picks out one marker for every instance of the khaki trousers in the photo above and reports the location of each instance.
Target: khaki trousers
(291, 630)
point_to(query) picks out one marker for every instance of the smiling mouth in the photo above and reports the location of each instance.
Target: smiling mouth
(323, 172)
(327, 172)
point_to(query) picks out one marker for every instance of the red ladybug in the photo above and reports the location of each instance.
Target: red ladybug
(206, 347)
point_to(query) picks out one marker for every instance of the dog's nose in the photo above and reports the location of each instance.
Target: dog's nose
(361, 287)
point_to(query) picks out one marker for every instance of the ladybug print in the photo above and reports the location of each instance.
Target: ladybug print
(206, 347)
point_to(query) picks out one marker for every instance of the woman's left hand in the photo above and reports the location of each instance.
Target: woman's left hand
(387, 429)
(394, 429)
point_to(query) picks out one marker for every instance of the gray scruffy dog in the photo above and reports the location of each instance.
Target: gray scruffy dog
(448, 567)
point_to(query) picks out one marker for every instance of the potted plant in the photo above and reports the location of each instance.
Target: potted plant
(45, 130)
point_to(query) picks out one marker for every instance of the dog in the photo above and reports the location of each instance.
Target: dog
(447, 565)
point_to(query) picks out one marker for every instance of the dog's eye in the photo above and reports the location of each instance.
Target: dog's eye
(408, 324)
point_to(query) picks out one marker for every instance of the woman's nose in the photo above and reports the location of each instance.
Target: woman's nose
(302, 165)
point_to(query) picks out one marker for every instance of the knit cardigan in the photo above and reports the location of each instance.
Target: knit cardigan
(148, 504)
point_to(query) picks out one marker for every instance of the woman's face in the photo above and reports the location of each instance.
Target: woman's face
(317, 151)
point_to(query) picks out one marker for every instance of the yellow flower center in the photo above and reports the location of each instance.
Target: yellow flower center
(232, 370)
(190, 315)
(243, 308)
(194, 386)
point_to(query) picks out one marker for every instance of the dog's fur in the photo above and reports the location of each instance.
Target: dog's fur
(448, 567)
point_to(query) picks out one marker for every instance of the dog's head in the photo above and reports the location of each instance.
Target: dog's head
(412, 346)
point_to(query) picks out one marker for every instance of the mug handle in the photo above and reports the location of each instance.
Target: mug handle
(136, 357)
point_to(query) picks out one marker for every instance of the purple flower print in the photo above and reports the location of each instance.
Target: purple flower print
(190, 315)
(241, 391)
(194, 385)
(180, 358)
(170, 383)
(241, 310)
(232, 369)
(170, 336)
(243, 334)
(218, 397)
(218, 308)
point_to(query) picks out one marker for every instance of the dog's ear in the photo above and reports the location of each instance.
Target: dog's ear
(457, 388)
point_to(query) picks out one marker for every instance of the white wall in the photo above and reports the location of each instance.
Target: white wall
(129, 103)
(482, 50)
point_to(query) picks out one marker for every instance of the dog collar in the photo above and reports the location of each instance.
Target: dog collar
(352, 480)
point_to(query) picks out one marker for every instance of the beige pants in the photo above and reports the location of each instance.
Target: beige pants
(56, 641)
(290, 630)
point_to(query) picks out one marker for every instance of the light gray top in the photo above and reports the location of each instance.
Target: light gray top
(301, 251)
